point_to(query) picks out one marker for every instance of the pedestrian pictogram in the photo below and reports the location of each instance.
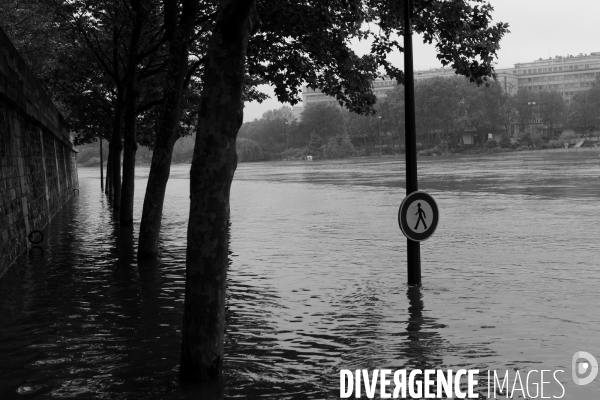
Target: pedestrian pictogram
(422, 217)
(418, 216)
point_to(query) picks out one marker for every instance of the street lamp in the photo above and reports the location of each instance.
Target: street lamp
(379, 132)
(533, 119)
(532, 104)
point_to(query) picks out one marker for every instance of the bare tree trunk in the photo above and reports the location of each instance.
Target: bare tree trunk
(101, 168)
(115, 141)
(108, 185)
(130, 148)
(130, 117)
(179, 30)
(117, 147)
(213, 166)
(160, 169)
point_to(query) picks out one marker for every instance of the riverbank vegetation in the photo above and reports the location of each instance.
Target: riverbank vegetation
(453, 115)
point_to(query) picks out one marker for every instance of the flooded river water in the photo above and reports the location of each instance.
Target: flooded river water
(511, 281)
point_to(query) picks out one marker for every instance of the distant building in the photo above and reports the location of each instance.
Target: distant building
(566, 75)
(297, 111)
(314, 96)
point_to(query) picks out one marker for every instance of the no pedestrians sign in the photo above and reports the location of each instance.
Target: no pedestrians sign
(418, 216)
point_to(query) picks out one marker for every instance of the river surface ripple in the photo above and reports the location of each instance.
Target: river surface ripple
(316, 283)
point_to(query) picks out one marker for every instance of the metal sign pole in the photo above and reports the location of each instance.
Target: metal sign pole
(413, 248)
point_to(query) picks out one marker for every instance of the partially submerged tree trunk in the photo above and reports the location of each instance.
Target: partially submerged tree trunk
(130, 120)
(107, 187)
(129, 150)
(213, 166)
(160, 168)
(179, 36)
(115, 151)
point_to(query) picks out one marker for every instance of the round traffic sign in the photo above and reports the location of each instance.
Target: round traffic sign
(35, 237)
(418, 216)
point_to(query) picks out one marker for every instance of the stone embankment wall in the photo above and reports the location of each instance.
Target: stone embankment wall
(38, 168)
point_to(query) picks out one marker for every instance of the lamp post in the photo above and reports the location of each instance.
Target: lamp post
(379, 132)
(532, 105)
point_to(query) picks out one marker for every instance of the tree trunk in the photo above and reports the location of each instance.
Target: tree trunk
(130, 148)
(213, 166)
(115, 151)
(130, 118)
(108, 183)
(101, 167)
(160, 168)
(179, 36)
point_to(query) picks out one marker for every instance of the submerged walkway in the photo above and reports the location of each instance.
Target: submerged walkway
(79, 318)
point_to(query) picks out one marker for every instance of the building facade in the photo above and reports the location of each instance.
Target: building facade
(566, 75)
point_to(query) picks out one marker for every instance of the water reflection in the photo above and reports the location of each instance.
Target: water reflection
(316, 282)
(424, 342)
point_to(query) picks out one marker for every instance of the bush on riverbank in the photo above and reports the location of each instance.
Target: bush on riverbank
(505, 142)
(295, 153)
(338, 146)
(434, 151)
(490, 144)
(248, 150)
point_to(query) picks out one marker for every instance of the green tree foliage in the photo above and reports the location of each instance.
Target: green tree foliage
(315, 143)
(339, 146)
(438, 105)
(289, 46)
(325, 120)
(547, 106)
(63, 64)
(446, 107)
(492, 143)
(345, 146)
(522, 104)
(504, 142)
(363, 129)
(248, 150)
(274, 131)
(584, 113)
(551, 108)
(485, 107)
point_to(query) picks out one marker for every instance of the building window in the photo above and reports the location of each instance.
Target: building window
(570, 67)
(528, 71)
(577, 66)
(560, 68)
(587, 66)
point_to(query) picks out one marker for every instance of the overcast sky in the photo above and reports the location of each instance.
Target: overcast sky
(538, 29)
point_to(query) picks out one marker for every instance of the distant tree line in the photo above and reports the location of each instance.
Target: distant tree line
(445, 109)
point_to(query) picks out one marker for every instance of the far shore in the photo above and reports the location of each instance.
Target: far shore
(445, 154)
